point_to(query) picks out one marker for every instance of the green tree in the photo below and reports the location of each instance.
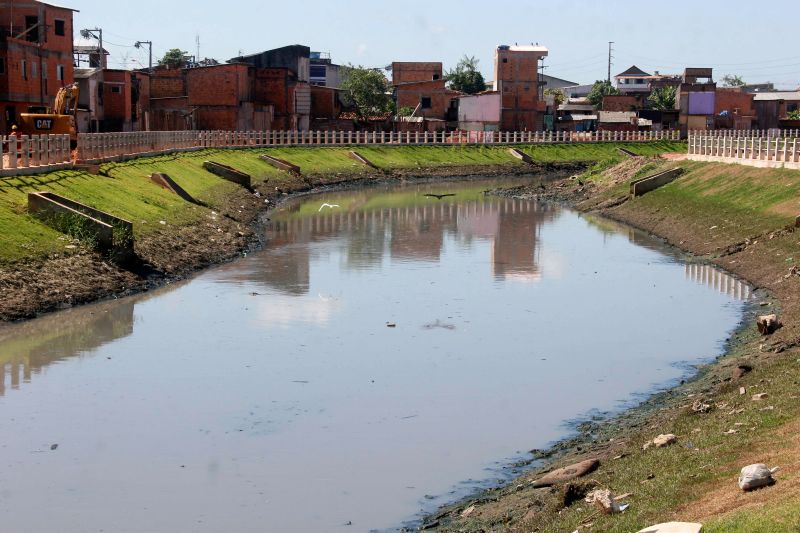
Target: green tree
(560, 95)
(405, 111)
(663, 98)
(366, 90)
(732, 80)
(173, 58)
(466, 77)
(793, 115)
(599, 90)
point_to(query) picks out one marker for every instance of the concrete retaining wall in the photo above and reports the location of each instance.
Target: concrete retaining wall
(164, 181)
(650, 183)
(112, 235)
(228, 173)
(521, 155)
(281, 164)
(361, 159)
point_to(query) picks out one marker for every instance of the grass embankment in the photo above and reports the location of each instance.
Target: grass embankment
(125, 192)
(742, 219)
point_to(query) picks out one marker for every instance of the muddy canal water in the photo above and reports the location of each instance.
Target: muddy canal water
(366, 364)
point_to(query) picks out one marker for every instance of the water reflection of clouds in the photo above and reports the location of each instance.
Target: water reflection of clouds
(284, 311)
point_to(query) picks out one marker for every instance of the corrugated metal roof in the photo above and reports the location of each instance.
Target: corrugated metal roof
(780, 95)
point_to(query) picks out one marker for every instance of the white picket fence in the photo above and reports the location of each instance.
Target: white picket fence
(746, 134)
(766, 152)
(33, 154)
(98, 147)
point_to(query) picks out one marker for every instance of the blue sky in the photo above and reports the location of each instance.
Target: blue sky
(757, 41)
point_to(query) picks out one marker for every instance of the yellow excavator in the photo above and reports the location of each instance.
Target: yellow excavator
(58, 120)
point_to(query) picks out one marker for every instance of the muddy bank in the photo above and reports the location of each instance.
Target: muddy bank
(224, 232)
(693, 482)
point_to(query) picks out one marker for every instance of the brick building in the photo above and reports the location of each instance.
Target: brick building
(223, 97)
(284, 74)
(420, 86)
(516, 78)
(35, 56)
(696, 100)
(140, 100)
(733, 108)
(169, 103)
(621, 102)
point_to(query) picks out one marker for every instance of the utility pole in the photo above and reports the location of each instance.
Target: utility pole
(609, 60)
(96, 33)
(197, 42)
(149, 44)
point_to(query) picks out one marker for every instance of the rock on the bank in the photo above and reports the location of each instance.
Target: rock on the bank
(661, 441)
(567, 473)
(756, 476)
(674, 527)
(767, 324)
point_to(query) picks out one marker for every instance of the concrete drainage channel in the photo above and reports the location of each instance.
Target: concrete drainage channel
(361, 159)
(110, 235)
(229, 173)
(165, 182)
(281, 164)
(651, 183)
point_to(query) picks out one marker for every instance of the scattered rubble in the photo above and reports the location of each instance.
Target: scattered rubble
(603, 500)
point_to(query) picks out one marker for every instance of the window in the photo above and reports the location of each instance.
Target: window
(33, 70)
(116, 89)
(425, 102)
(791, 108)
(505, 60)
(44, 70)
(2, 65)
(24, 69)
(60, 72)
(32, 28)
(435, 76)
(60, 27)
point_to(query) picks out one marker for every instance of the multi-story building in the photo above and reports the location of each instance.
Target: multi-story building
(35, 56)
(420, 85)
(323, 72)
(290, 67)
(696, 100)
(517, 79)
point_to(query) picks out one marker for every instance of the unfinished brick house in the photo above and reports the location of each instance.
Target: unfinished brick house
(733, 109)
(516, 78)
(282, 79)
(420, 86)
(35, 56)
(222, 97)
(169, 103)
